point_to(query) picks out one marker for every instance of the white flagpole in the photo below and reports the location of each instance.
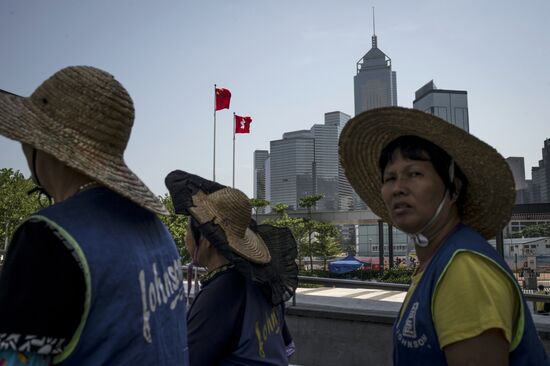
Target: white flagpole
(234, 127)
(214, 152)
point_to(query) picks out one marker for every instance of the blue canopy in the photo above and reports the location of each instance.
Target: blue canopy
(348, 264)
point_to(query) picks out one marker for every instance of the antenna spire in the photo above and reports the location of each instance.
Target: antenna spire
(373, 23)
(374, 42)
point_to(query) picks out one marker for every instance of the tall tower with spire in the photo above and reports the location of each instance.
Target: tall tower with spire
(375, 83)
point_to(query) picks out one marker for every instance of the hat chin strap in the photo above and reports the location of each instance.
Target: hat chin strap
(420, 239)
(39, 188)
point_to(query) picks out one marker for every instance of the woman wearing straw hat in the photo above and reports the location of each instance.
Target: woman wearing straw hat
(449, 192)
(94, 278)
(238, 317)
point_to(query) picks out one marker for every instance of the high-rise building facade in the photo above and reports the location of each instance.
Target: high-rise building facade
(375, 84)
(292, 168)
(303, 163)
(267, 170)
(260, 157)
(329, 177)
(517, 166)
(325, 174)
(540, 177)
(259, 185)
(450, 105)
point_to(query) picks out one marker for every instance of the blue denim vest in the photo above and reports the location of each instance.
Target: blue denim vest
(415, 338)
(134, 312)
(261, 341)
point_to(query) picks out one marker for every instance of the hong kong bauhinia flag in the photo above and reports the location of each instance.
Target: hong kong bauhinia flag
(242, 124)
(223, 97)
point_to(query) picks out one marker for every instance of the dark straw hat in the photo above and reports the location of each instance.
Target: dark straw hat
(263, 253)
(231, 210)
(491, 191)
(83, 117)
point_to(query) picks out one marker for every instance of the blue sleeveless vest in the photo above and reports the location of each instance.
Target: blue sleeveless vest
(415, 339)
(134, 312)
(261, 342)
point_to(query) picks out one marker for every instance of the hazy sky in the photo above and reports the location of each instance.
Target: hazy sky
(286, 62)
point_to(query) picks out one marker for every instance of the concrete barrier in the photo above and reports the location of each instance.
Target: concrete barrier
(332, 336)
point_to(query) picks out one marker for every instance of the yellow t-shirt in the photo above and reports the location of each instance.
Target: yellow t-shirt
(473, 296)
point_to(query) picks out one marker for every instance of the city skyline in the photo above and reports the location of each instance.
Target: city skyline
(286, 64)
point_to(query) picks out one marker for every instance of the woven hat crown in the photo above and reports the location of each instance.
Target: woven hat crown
(89, 105)
(83, 117)
(232, 210)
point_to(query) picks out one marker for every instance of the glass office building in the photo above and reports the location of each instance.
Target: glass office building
(292, 168)
(450, 105)
(375, 83)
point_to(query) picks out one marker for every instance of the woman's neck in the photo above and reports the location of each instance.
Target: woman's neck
(437, 235)
(216, 261)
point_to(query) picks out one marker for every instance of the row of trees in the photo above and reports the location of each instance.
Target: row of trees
(533, 231)
(314, 238)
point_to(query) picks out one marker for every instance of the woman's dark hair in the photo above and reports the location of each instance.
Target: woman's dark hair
(417, 148)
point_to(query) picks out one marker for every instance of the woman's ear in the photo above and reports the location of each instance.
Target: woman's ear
(458, 186)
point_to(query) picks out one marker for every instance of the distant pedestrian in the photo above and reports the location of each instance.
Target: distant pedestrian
(95, 278)
(237, 318)
(449, 192)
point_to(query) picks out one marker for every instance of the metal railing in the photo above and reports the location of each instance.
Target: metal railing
(341, 283)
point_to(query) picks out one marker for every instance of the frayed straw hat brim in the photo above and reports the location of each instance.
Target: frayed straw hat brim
(491, 190)
(264, 254)
(224, 208)
(96, 149)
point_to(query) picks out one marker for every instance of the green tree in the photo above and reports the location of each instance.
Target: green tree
(296, 226)
(326, 244)
(256, 204)
(309, 202)
(534, 231)
(177, 225)
(15, 203)
(280, 209)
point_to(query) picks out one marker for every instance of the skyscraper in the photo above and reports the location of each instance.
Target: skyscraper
(541, 177)
(303, 163)
(517, 166)
(450, 105)
(259, 173)
(327, 179)
(292, 168)
(375, 84)
(260, 156)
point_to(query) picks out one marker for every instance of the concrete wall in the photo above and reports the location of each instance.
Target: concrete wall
(328, 336)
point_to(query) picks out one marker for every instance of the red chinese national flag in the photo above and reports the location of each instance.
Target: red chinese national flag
(223, 97)
(242, 124)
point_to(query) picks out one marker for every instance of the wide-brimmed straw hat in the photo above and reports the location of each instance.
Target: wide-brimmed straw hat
(262, 253)
(83, 117)
(490, 194)
(231, 209)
